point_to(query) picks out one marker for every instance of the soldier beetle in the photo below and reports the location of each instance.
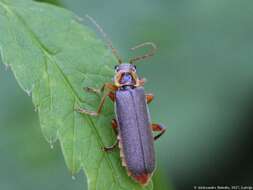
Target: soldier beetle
(132, 123)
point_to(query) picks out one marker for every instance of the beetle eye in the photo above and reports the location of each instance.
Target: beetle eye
(116, 68)
(134, 68)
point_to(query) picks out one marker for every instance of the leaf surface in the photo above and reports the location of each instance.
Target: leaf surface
(53, 57)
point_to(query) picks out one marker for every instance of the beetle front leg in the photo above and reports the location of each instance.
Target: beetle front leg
(142, 81)
(96, 113)
(160, 128)
(149, 97)
(101, 90)
(92, 90)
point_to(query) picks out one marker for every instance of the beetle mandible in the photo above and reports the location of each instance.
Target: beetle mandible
(132, 125)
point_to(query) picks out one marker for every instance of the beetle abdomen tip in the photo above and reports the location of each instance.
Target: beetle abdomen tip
(142, 179)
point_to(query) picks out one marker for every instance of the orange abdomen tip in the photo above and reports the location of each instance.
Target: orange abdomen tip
(142, 179)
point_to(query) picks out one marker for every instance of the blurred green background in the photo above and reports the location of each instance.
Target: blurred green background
(202, 79)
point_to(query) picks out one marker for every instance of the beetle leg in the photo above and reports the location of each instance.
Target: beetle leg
(115, 126)
(160, 128)
(111, 148)
(149, 97)
(109, 86)
(142, 81)
(96, 113)
(92, 90)
(111, 96)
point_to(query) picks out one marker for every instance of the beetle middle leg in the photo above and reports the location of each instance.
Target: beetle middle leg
(115, 126)
(112, 147)
(160, 128)
(96, 113)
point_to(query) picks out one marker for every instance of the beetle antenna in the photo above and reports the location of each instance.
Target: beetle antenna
(109, 42)
(149, 54)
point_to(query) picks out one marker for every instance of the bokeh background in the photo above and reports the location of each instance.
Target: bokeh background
(202, 78)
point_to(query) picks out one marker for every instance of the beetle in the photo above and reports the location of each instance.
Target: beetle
(132, 124)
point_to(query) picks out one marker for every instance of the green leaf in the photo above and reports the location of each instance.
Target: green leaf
(54, 2)
(53, 57)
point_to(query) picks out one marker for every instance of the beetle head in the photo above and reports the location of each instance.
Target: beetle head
(126, 75)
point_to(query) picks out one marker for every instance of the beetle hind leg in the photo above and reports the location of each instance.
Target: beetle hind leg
(115, 126)
(112, 147)
(115, 129)
(158, 128)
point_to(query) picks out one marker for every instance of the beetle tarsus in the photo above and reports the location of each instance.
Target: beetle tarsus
(88, 112)
(108, 86)
(159, 128)
(111, 148)
(92, 90)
